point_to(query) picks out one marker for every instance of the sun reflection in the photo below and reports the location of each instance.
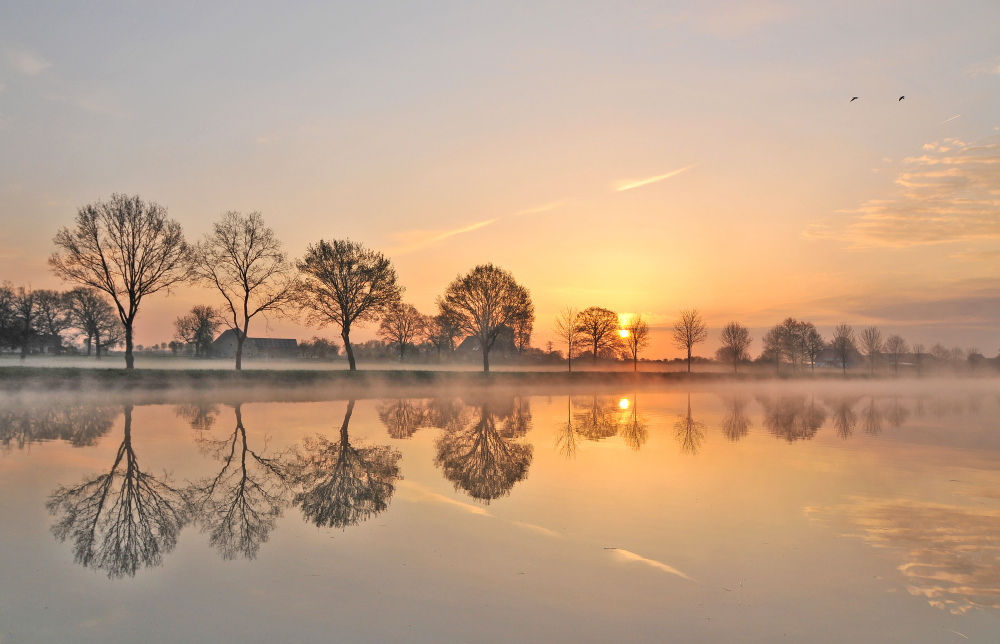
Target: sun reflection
(623, 403)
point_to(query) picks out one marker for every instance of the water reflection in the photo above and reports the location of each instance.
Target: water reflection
(341, 484)
(634, 428)
(792, 417)
(844, 418)
(402, 417)
(80, 425)
(871, 418)
(690, 433)
(123, 520)
(736, 423)
(240, 505)
(482, 456)
(598, 417)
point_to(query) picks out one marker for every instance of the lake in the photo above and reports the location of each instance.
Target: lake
(813, 511)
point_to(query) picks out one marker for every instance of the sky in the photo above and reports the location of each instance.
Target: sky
(645, 157)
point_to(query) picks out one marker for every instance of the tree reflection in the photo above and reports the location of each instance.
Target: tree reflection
(689, 432)
(342, 484)
(80, 425)
(736, 423)
(896, 414)
(482, 457)
(844, 418)
(871, 418)
(566, 436)
(402, 417)
(792, 417)
(634, 428)
(201, 416)
(598, 418)
(240, 505)
(121, 521)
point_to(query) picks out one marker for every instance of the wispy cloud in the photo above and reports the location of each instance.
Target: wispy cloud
(628, 556)
(28, 63)
(629, 184)
(951, 194)
(420, 492)
(951, 119)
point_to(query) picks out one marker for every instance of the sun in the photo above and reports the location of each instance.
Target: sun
(623, 403)
(623, 333)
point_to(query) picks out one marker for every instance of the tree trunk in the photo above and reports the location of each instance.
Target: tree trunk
(24, 350)
(345, 335)
(343, 428)
(595, 351)
(90, 339)
(486, 360)
(689, 359)
(635, 362)
(569, 358)
(97, 338)
(129, 358)
(240, 339)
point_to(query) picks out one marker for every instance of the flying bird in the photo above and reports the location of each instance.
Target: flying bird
(853, 99)
(901, 98)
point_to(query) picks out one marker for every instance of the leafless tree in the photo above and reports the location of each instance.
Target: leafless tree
(919, 351)
(812, 343)
(126, 248)
(95, 318)
(243, 260)
(198, 328)
(568, 332)
(599, 330)
(735, 347)
(444, 329)
(484, 302)
(774, 346)
(635, 338)
(843, 344)
(895, 349)
(871, 345)
(402, 324)
(53, 316)
(25, 318)
(523, 325)
(689, 330)
(8, 324)
(346, 284)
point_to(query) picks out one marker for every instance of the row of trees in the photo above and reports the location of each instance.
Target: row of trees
(128, 249)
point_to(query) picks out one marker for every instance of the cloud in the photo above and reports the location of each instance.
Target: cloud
(628, 557)
(421, 492)
(987, 68)
(28, 63)
(629, 184)
(951, 119)
(950, 194)
(732, 19)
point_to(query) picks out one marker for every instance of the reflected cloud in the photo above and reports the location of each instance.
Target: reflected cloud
(629, 557)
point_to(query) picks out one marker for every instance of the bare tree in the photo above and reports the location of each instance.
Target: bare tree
(635, 338)
(25, 318)
(442, 331)
(401, 325)
(871, 345)
(95, 318)
(599, 329)
(243, 260)
(485, 301)
(919, 351)
(126, 248)
(8, 326)
(843, 344)
(346, 284)
(53, 316)
(735, 347)
(812, 343)
(198, 328)
(523, 325)
(689, 330)
(568, 332)
(895, 348)
(774, 344)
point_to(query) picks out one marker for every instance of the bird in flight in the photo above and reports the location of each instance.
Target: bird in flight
(901, 98)
(853, 99)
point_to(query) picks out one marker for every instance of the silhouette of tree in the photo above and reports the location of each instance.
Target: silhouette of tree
(8, 325)
(599, 331)
(567, 330)
(485, 302)
(523, 325)
(792, 417)
(443, 330)
(342, 484)
(635, 339)
(91, 314)
(844, 418)
(79, 425)
(736, 423)
(126, 248)
(123, 520)
(843, 344)
(53, 316)
(402, 324)
(634, 428)
(346, 284)
(690, 433)
(871, 345)
(598, 419)
(689, 330)
(198, 328)
(402, 417)
(871, 418)
(735, 347)
(25, 306)
(479, 459)
(812, 343)
(919, 351)
(895, 348)
(240, 506)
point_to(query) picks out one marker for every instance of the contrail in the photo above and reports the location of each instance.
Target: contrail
(951, 119)
(628, 185)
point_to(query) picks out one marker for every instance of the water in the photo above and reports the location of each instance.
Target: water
(800, 512)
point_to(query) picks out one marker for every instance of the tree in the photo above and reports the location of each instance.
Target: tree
(198, 328)
(843, 344)
(484, 302)
(243, 260)
(871, 345)
(8, 325)
(635, 339)
(567, 330)
(402, 324)
(318, 347)
(599, 329)
(95, 318)
(126, 248)
(689, 330)
(895, 348)
(919, 351)
(735, 347)
(774, 346)
(53, 316)
(689, 432)
(346, 284)
(443, 330)
(523, 325)
(25, 318)
(812, 343)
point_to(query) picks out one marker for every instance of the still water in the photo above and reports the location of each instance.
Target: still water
(813, 513)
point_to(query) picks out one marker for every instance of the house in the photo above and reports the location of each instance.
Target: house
(225, 346)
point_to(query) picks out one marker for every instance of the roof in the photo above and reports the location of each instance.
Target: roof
(262, 343)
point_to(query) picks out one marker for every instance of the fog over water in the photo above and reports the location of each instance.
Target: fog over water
(820, 511)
